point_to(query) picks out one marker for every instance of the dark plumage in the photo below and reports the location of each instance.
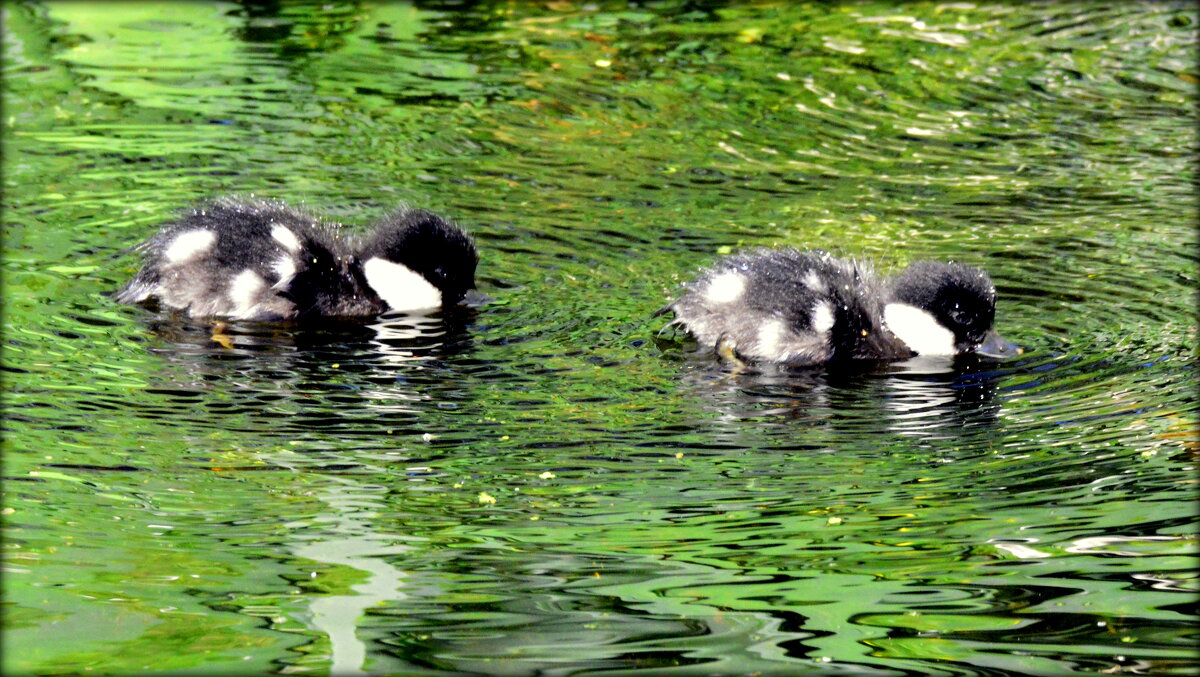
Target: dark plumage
(804, 308)
(960, 298)
(264, 260)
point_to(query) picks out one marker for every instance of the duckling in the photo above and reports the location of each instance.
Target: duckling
(263, 260)
(806, 308)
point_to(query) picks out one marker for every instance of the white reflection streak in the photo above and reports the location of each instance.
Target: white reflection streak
(407, 328)
(349, 539)
(1021, 551)
(915, 406)
(1100, 545)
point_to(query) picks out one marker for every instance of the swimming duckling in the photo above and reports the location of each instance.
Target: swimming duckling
(804, 308)
(263, 260)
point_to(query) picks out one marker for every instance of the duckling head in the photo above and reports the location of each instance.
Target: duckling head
(417, 260)
(945, 309)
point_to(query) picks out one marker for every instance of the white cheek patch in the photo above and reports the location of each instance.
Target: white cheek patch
(813, 281)
(286, 238)
(399, 286)
(822, 317)
(725, 287)
(245, 290)
(190, 245)
(918, 329)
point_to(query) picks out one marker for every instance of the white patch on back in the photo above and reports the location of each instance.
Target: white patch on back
(285, 268)
(770, 335)
(726, 287)
(918, 330)
(286, 238)
(813, 281)
(822, 317)
(189, 245)
(244, 291)
(399, 286)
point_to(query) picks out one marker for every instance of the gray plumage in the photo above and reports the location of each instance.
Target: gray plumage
(264, 260)
(803, 308)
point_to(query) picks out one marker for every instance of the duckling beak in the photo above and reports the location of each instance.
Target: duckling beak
(474, 298)
(996, 347)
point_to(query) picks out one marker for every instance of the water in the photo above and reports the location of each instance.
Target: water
(548, 486)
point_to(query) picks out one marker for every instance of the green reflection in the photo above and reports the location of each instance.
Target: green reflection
(312, 501)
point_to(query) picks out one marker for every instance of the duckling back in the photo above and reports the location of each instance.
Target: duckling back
(237, 259)
(787, 306)
(263, 260)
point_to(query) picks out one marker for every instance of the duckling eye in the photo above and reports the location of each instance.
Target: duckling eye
(961, 316)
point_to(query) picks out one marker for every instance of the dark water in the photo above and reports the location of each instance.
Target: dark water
(548, 486)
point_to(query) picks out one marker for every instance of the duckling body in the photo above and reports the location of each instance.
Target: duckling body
(263, 260)
(804, 308)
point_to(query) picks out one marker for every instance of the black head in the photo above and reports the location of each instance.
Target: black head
(434, 248)
(960, 299)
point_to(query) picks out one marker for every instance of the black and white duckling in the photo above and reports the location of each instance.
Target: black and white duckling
(263, 260)
(804, 308)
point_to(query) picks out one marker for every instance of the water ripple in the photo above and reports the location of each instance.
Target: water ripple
(545, 470)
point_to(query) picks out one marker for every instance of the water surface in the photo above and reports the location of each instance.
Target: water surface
(547, 486)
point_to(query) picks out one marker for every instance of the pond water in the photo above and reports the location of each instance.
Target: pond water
(548, 486)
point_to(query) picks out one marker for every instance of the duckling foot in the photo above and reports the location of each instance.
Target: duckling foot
(726, 351)
(219, 335)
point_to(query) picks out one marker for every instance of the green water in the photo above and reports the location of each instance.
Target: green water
(552, 488)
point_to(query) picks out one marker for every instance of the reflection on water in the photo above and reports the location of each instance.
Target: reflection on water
(536, 487)
(926, 398)
(929, 398)
(401, 340)
(348, 537)
(353, 379)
